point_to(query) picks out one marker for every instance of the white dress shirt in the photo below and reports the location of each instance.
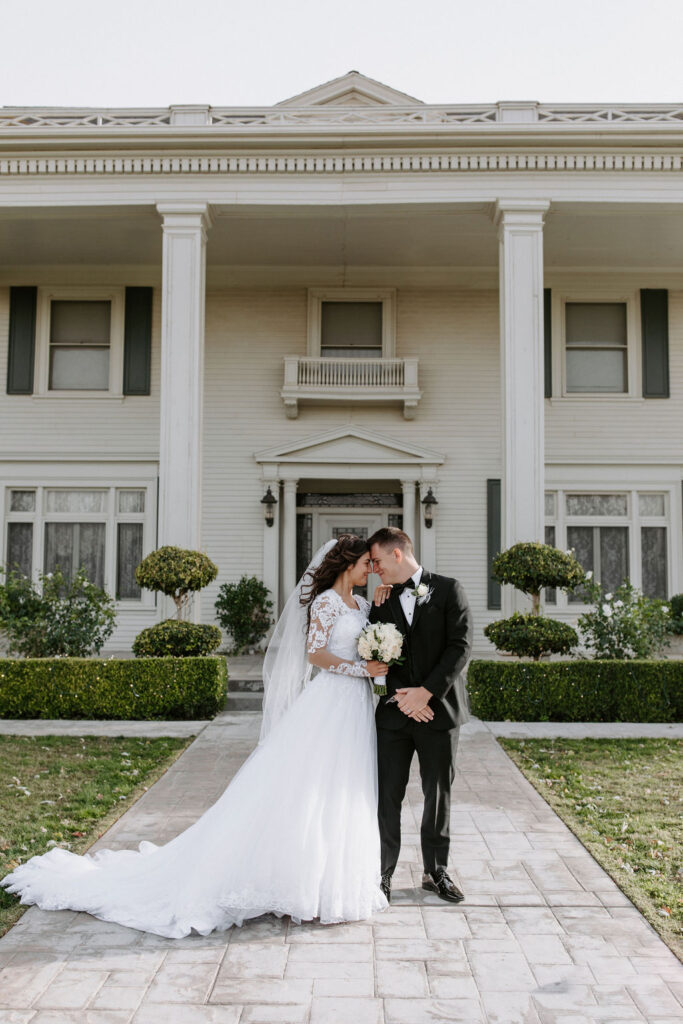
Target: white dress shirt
(407, 599)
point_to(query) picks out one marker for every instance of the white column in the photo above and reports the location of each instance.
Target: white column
(182, 372)
(408, 487)
(520, 234)
(427, 534)
(289, 538)
(271, 548)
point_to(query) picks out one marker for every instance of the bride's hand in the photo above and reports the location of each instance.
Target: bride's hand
(382, 592)
(376, 668)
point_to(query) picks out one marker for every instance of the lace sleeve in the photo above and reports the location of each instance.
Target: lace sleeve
(324, 612)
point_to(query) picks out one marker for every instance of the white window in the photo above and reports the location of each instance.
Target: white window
(617, 535)
(101, 529)
(79, 342)
(596, 351)
(351, 323)
(596, 347)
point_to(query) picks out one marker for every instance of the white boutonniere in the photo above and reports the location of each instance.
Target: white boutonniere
(422, 593)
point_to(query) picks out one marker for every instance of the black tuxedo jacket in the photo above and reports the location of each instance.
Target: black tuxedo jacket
(436, 647)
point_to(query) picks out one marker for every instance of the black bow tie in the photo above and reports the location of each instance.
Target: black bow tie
(398, 588)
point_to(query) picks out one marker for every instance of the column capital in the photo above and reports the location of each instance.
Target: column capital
(185, 215)
(520, 213)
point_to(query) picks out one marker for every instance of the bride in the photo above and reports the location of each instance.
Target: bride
(295, 832)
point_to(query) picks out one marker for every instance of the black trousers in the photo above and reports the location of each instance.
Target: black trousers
(436, 750)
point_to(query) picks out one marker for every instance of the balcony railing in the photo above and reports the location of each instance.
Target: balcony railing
(316, 380)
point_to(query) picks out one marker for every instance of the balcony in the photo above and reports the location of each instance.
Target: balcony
(321, 380)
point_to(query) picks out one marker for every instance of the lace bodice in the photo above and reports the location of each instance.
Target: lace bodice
(337, 627)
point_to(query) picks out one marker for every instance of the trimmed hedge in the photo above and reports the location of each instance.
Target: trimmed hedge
(576, 691)
(176, 639)
(143, 689)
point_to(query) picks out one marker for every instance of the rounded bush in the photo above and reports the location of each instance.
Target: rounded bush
(175, 572)
(676, 605)
(531, 566)
(531, 635)
(179, 639)
(243, 609)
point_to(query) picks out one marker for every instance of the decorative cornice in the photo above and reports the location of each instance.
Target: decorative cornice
(340, 164)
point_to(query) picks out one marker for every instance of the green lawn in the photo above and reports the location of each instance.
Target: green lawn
(67, 791)
(623, 799)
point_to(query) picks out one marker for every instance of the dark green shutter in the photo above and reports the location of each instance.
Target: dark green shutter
(493, 539)
(137, 353)
(547, 342)
(22, 340)
(654, 312)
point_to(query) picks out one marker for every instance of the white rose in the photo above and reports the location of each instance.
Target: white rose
(422, 590)
(608, 597)
(589, 574)
(618, 604)
(607, 610)
(666, 609)
(365, 648)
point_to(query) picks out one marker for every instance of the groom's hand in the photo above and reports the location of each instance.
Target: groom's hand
(413, 701)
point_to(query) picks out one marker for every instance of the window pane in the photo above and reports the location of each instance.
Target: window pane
(653, 553)
(613, 556)
(59, 548)
(593, 370)
(22, 501)
(75, 501)
(351, 329)
(80, 323)
(20, 547)
(79, 369)
(581, 538)
(597, 505)
(550, 502)
(651, 505)
(128, 557)
(133, 501)
(550, 592)
(71, 545)
(596, 323)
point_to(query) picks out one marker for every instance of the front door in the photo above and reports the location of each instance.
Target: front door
(330, 525)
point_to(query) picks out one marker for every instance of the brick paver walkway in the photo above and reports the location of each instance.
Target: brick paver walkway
(545, 937)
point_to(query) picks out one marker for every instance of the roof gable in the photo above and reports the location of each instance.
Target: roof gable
(351, 89)
(350, 445)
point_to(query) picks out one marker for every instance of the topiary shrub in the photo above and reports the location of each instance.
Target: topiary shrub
(531, 566)
(60, 617)
(176, 639)
(176, 572)
(243, 609)
(585, 690)
(676, 604)
(531, 636)
(121, 688)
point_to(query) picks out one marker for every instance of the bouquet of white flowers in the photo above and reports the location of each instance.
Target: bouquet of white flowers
(381, 641)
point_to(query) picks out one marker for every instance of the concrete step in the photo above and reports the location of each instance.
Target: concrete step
(241, 700)
(245, 685)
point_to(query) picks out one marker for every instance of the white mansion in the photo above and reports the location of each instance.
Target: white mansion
(352, 303)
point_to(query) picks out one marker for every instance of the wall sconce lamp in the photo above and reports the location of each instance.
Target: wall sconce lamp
(269, 501)
(429, 501)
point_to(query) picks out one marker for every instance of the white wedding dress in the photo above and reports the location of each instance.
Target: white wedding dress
(295, 832)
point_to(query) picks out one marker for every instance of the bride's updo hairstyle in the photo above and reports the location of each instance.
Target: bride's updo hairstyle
(345, 553)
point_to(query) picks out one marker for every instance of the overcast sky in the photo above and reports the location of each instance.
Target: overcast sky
(257, 52)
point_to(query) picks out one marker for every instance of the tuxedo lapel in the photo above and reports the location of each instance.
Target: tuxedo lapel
(399, 616)
(419, 605)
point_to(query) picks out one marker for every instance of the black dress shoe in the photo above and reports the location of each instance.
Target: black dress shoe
(443, 886)
(385, 886)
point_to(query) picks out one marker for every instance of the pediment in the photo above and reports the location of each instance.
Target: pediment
(350, 90)
(351, 446)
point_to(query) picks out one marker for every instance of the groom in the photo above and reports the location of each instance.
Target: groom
(429, 703)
